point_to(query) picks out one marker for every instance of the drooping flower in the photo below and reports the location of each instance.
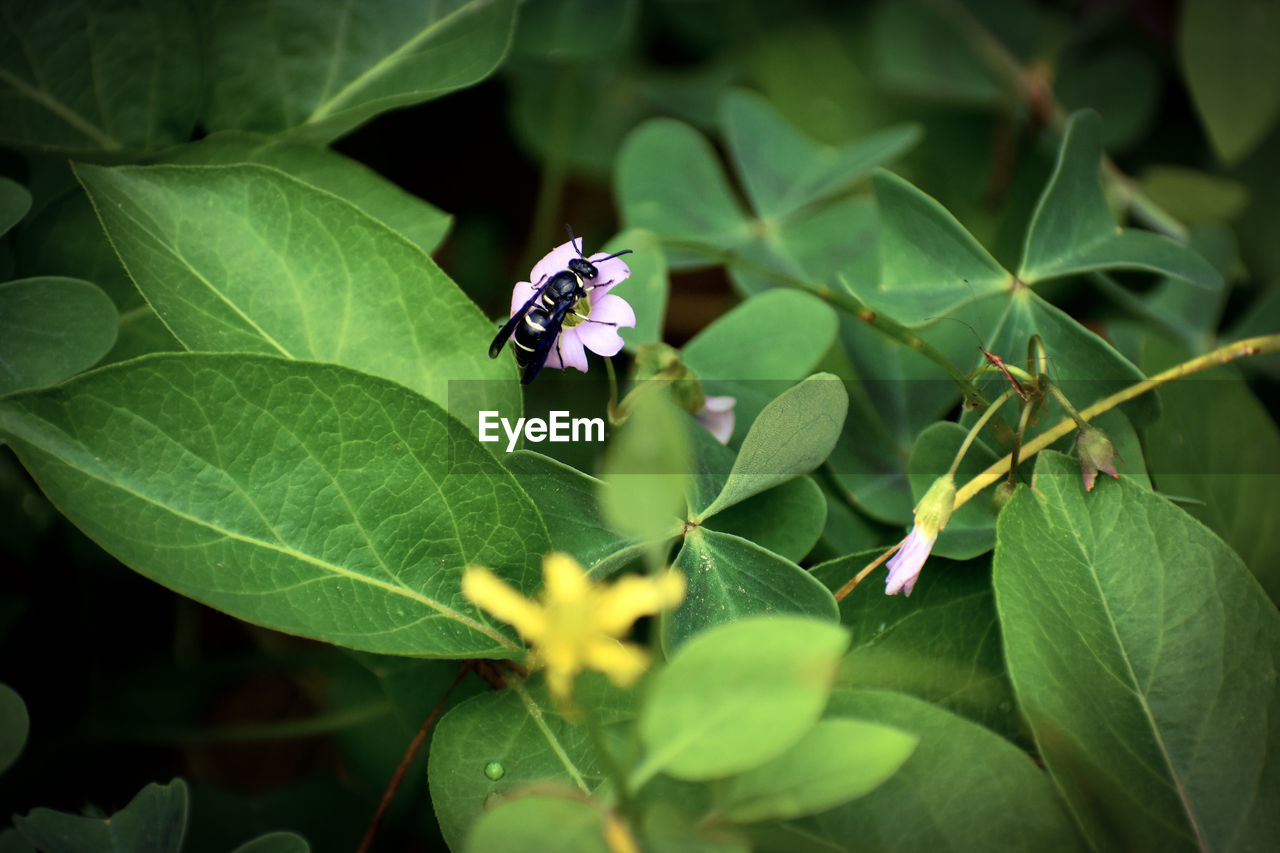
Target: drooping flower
(1096, 453)
(717, 416)
(607, 312)
(932, 514)
(576, 623)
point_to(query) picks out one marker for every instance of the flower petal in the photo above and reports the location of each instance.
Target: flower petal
(623, 663)
(604, 339)
(570, 346)
(609, 274)
(522, 293)
(633, 596)
(905, 566)
(563, 579)
(555, 260)
(489, 592)
(717, 416)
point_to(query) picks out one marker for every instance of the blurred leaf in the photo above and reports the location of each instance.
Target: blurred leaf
(942, 644)
(15, 201)
(667, 827)
(98, 78)
(783, 170)
(332, 65)
(739, 695)
(1073, 231)
(424, 224)
(12, 842)
(792, 436)
(972, 528)
(921, 50)
(247, 259)
(1216, 445)
(669, 180)
(647, 288)
(51, 328)
(1193, 312)
(837, 760)
(536, 823)
(497, 745)
(645, 473)
(575, 29)
(787, 519)
(1142, 654)
(14, 726)
(1127, 108)
(567, 502)
(1005, 801)
(1230, 57)
(154, 821)
(66, 239)
(1194, 197)
(730, 579)
(929, 264)
(304, 497)
(275, 842)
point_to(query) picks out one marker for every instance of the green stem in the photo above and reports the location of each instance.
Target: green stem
(977, 428)
(1222, 355)
(611, 767)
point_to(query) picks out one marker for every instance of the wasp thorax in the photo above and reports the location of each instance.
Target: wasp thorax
(580, 312)
(583, 267)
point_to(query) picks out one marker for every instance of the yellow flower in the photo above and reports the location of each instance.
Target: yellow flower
(577, 624)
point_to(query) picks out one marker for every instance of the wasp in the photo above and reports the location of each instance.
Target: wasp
(535, 328)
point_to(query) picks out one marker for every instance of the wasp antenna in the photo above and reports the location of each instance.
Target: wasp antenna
(614, 255)
(574, 240)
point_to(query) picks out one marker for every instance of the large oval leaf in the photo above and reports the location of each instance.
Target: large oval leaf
(1143, 654)
(50, 328)
(305, 497)
(245, 258)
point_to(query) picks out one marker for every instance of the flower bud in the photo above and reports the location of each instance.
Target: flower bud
(934, 510)
(1096, 453)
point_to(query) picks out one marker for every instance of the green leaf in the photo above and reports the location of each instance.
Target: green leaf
(1216, 444)
(1229, 56)
(93, 78)
(51, 328)
(575, 29)
(1005, 802)
(423, 224)
(647, 288)
(792, 436)
(783, 170)
(929, 263)
(738, 695)
(778, 335)
(942, 644)
(14, 726)
(1195, 197)
(1084, 366)
(1073, 231)
(154, 821)
(275, 842)
(537, 823)
(12, 842)
(567, 502)
(497, 744)
(1127, 110)
(308, 498)
(837, 760)
(972, 528)
(787, 519)
(66, 239)
(247, 259)
(331, 69)
(921, 49)
(1143, 655)
(15, 201)
(646, 472)
(669, 181)
(731, 578)
(668, 827)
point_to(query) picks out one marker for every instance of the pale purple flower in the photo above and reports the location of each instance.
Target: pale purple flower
(905, 566)
(932, 514)
(717, 416)
(601, 307)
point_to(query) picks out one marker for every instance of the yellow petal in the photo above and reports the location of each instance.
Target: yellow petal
(560, 683)
(624, 663)
(563, 579)
(634, 596)
(489, 592)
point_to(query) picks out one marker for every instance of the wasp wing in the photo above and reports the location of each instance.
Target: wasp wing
(510, 326)
(545, 343)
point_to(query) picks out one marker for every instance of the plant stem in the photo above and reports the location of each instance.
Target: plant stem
(1222, 355)
(977, 428)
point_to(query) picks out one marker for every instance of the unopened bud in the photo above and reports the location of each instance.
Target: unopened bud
(1096, 453)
